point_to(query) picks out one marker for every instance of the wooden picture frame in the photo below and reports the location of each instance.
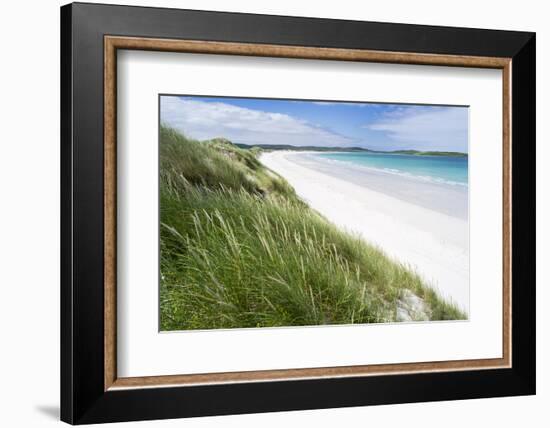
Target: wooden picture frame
(91, 390)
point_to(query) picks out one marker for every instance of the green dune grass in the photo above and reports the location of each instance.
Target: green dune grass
(240, 249)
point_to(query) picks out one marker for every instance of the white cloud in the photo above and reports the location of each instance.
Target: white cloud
(205, 120)
(426, 128)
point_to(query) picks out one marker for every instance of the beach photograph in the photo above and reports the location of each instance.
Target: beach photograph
(288, 212)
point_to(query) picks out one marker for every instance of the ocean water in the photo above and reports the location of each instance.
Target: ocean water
(441, 169)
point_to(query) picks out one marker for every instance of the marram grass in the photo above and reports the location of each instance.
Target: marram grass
(240, 249)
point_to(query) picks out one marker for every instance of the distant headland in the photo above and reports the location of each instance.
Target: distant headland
(270, 147)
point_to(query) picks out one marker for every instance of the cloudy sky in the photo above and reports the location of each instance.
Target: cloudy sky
(326, 124)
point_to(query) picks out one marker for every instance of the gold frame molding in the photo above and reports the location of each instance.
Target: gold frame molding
(113, 43)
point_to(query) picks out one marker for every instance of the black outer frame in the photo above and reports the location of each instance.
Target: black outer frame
(83, 399)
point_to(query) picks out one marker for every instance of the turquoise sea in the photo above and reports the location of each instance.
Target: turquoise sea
(441, 169)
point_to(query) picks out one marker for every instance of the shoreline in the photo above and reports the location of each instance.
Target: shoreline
(449, 199)
(398, 214)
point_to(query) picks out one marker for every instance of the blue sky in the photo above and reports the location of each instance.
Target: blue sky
(327, 124)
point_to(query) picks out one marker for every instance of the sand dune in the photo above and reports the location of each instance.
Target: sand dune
(421, 224)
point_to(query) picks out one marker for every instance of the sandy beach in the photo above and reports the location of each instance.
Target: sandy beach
(421, 224)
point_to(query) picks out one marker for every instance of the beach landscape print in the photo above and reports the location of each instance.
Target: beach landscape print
(280, 213)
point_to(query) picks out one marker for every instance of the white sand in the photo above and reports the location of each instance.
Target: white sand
(431, 242)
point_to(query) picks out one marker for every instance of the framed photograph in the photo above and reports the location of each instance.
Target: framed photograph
(266, 213)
